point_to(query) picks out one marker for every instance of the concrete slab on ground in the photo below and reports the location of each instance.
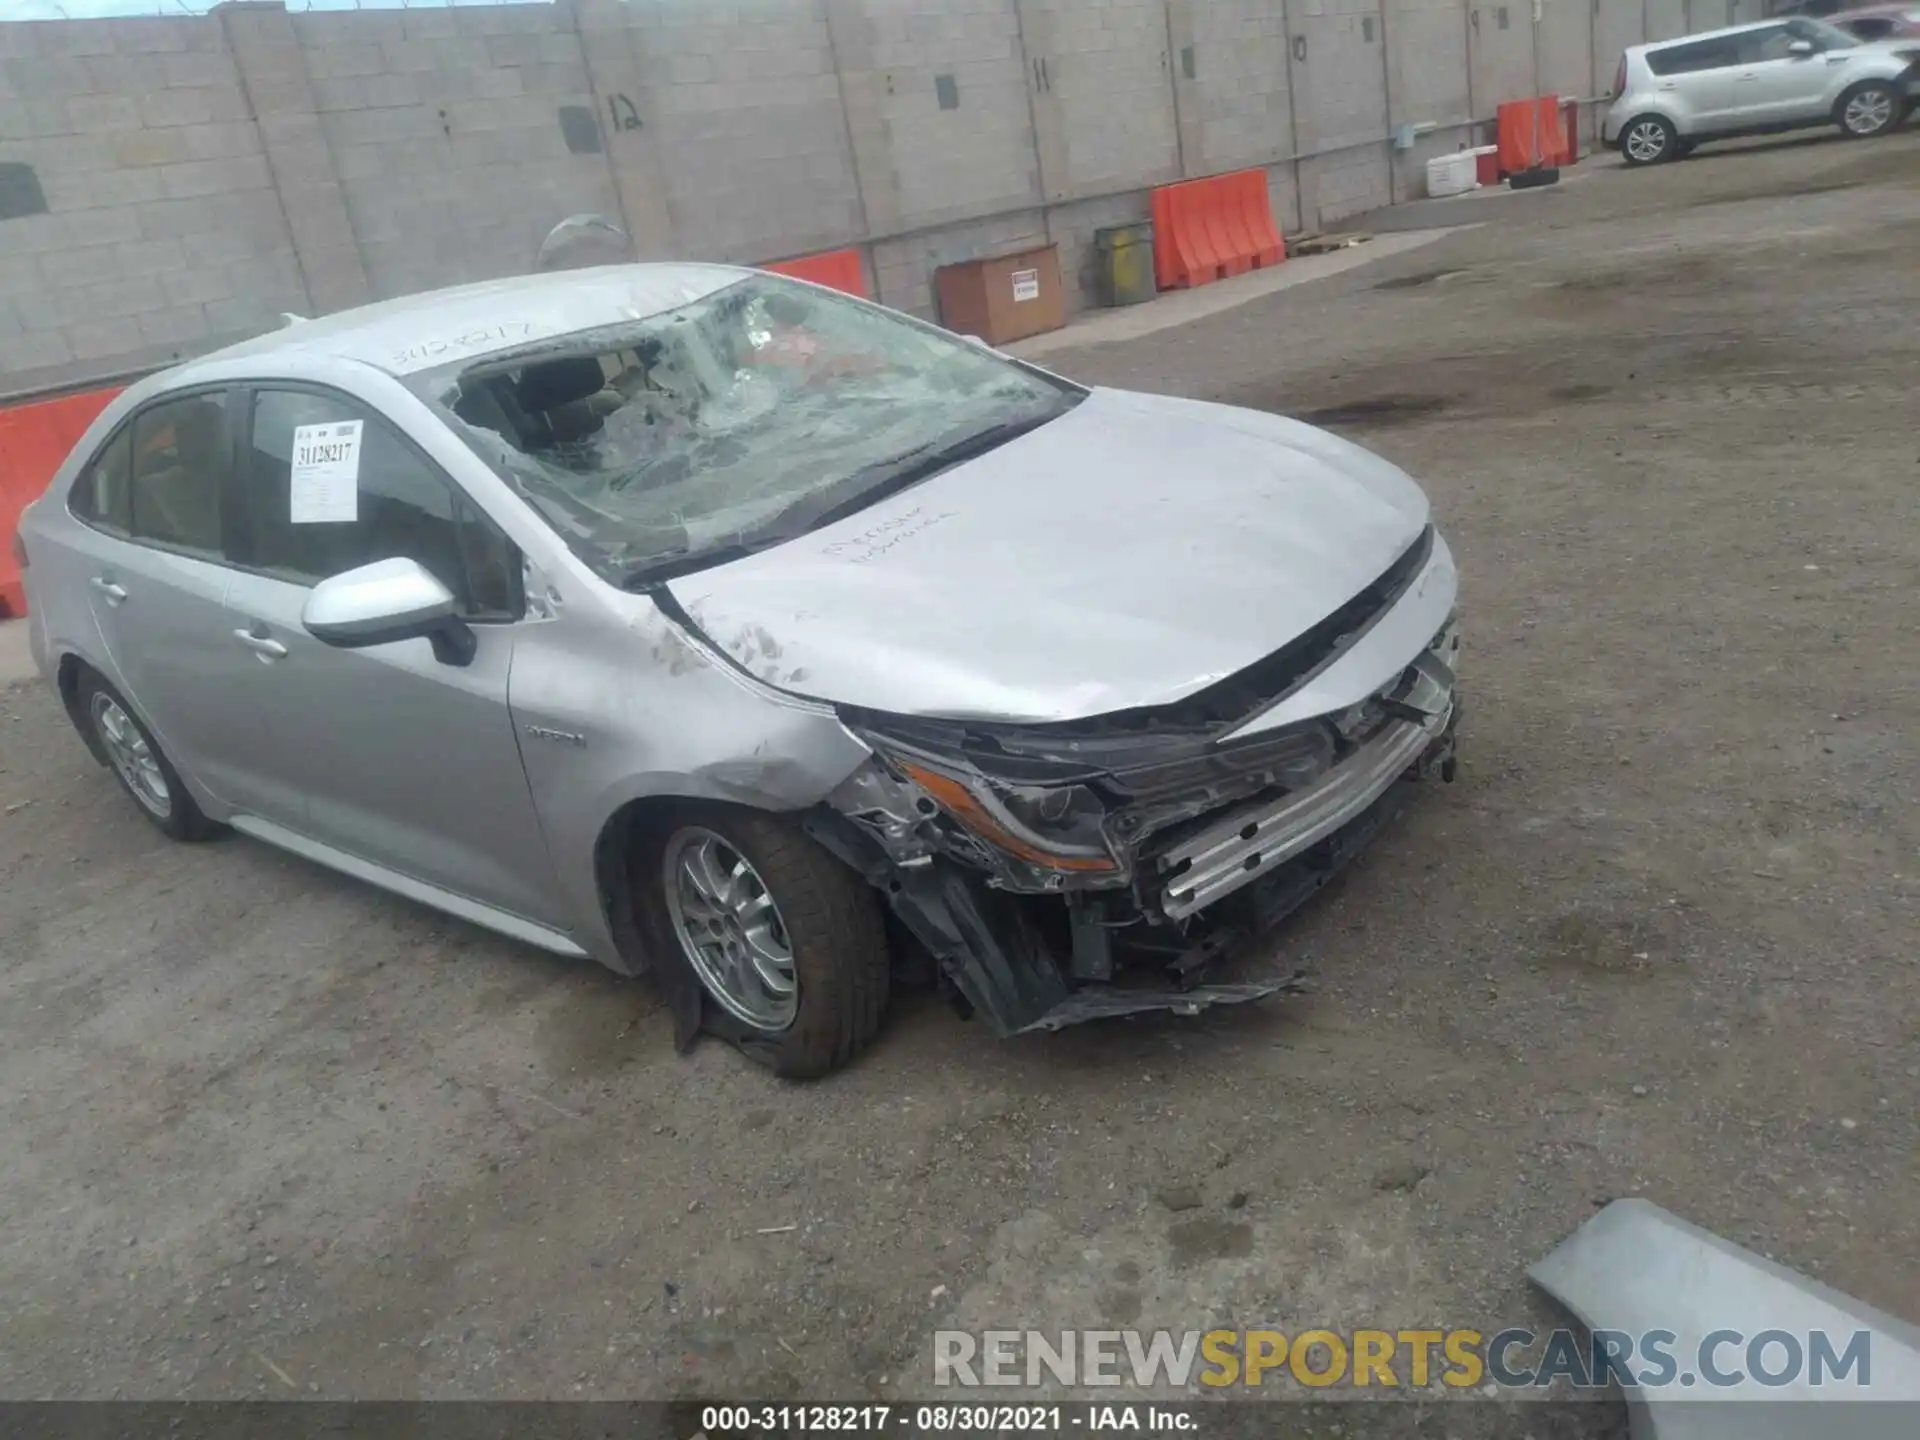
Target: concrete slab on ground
(1183, 307)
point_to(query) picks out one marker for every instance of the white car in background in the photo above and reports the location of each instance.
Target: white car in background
(1784, 74)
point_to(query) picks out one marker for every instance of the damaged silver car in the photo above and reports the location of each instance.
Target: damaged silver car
(717, 625)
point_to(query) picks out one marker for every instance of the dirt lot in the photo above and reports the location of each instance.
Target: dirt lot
(263, 1130)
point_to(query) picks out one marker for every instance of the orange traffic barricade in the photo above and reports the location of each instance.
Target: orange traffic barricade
(34, 439)
(1532, 135)
(1205, 230)
(839, 269)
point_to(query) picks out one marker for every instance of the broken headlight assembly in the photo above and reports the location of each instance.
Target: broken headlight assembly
(1059, 828)
(1053, 812)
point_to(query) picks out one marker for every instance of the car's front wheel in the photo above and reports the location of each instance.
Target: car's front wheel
(787, 942)
(139, 764)
(1870, 109)
(1648, 140)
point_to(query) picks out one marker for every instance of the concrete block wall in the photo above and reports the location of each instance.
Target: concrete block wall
(935, 164)
(744, 96)
(1242, 111)
(163, 232)
(1104, 80)
(202, 175)
(444, 130)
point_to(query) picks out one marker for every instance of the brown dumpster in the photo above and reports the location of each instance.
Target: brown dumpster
(1003, 297)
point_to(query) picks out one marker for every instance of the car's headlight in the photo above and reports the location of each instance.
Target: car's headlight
(1055, 826)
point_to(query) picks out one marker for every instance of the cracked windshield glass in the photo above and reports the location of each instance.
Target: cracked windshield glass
(741, 419)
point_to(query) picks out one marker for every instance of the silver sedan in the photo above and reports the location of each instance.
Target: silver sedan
(716, 625)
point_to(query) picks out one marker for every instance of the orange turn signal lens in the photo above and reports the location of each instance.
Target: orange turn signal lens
(965, 806)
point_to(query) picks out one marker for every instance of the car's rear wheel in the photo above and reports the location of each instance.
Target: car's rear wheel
(1648, 140)
(1870, 109)
(139, 764)
(787, 942)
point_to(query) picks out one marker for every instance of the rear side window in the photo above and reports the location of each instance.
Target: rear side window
(1686, 59)
(101, 496)
(179, 474)
(381, 500)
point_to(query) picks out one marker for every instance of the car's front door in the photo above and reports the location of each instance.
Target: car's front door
(1772, 84)
(394, 757)
(156, 502)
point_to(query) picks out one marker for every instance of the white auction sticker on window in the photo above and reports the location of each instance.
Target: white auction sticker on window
(1026, 285)
(325, 488)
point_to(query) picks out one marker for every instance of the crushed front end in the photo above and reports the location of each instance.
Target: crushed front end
(1066, 871)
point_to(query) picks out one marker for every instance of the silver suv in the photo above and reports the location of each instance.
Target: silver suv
(714, 624)
(1783, 74)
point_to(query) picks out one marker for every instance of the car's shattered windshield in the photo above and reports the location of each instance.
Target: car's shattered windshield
(733, 422)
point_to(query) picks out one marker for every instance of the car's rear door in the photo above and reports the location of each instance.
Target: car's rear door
(392, 756)
(156, 510)
(1696, 79)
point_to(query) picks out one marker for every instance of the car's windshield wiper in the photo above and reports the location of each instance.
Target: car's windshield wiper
(875, 482)
(685, 562)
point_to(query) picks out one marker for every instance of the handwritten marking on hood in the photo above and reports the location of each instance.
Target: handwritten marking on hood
(873, 542)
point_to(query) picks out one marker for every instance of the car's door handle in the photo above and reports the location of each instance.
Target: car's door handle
(115, 595)
(264, 646)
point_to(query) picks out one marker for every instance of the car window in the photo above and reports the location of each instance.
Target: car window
(379, 499)
(179, 474)
(1873, 27)
(1768, 44)
(1820, 34)
(101, 496)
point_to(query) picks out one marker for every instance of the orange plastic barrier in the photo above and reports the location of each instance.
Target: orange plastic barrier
(1532, 135)
(1206, 230)
(839, 269)
(34, 439)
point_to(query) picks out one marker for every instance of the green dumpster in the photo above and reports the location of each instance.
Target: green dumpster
(1124, 267)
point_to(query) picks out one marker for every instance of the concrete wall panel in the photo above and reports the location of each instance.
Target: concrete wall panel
(1563, 47)
(1338, 69)
(1427, 61)
(1616, 25)
(1101, 72)
(1667, 19)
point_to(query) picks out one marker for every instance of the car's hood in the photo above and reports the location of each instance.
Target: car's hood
(1133, 551)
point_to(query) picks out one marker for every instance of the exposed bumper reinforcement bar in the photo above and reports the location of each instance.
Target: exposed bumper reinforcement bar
(1249, 843)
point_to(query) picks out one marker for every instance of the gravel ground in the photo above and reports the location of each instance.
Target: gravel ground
(264, 1131)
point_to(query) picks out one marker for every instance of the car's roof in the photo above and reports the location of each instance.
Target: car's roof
(417, 332)
(1774, 23)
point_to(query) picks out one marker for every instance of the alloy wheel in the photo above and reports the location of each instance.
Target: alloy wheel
(1867, 112)
(1647, 141)
(132, 758)
(730, 929)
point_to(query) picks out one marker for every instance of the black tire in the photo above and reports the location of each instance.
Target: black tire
(1884, 102)
(1637, 137)
(835, 932)
(177, 816)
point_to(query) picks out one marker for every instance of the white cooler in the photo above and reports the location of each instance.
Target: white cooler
(1451, 174)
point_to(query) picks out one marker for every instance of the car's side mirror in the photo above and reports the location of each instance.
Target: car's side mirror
(1799, 49)
(386, 601)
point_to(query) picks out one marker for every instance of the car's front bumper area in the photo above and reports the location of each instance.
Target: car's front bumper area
(1199, 891)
